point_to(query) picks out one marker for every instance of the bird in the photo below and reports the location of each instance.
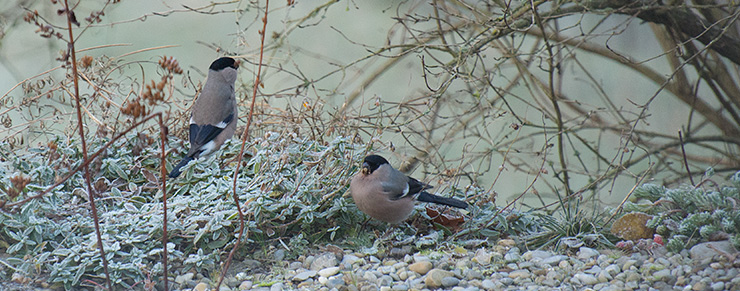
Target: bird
(214, 114)
(386, 194)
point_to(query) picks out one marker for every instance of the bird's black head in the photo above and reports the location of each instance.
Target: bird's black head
(372, 163)
(223, 63)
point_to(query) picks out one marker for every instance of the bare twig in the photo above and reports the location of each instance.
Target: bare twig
(90, 193)
(685, 160)
(245, 139)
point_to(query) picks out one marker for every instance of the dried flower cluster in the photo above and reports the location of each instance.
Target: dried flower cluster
(18, 183)
(86, 62)
(45, 30)
(134, 109)
(154, 92)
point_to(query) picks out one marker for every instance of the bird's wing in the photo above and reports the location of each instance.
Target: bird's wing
(399, 186)
(415, 186)
(201, 134)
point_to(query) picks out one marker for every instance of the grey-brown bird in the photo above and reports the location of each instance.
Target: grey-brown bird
(388, 195)
(214, 115)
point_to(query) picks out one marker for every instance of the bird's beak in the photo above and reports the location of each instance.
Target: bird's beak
(365, 169)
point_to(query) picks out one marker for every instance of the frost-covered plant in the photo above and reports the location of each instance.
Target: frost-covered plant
(688, 215)
(289, 185)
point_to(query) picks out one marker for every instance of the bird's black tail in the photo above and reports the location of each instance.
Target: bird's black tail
(176, 170)
(426, 197)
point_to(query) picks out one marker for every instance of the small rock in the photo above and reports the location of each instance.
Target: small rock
(536, 254)
(707, 250)
(632, 276)
(246, 285)
(594, 270)
(612, 269)
(325, 260)
(554, 260)
(586, 279)
(421, 267)
(519, 274)
(370, 276)
(512, 257)
(402, 275)
(717, 286)
(603, 277)
(434, 277)
(386, 270)
(526, 265)
(182, 279)
(201, 287)
(550, 282)
(506, 281)
(328, 272)
(482, 257)
(303, 276)
(450, 281)
(334, 283)
(585, 253)
(700, 286)
(487, 284)
(276, 287)
(295, 265)
(662, 275)
(628, 264)
(385, 280)
(473, 274)
(230, 281)
(400, 287)
(402, 251)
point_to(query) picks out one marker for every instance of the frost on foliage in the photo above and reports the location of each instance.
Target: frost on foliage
(688, 215)
(290, 185)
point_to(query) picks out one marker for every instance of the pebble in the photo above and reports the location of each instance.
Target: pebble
(201, 287)
(421, 267)
(707, 250)
(487, 284)
(245, 285)
(554, 260)
(325, 260)
(334, 283)
(585, 253)
(519, 274)
(536, 254)
(276, 287)
(717, 286)
(184, 278)
(488, 267)
(303, 276)
(450, 281)
(584, 279)
(328, 272)
(482, 257)
(434, 277)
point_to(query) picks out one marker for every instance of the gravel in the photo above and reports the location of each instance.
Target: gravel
(501, 266)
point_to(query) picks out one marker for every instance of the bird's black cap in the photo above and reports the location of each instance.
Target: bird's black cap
(223, 63)
(373, 162)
